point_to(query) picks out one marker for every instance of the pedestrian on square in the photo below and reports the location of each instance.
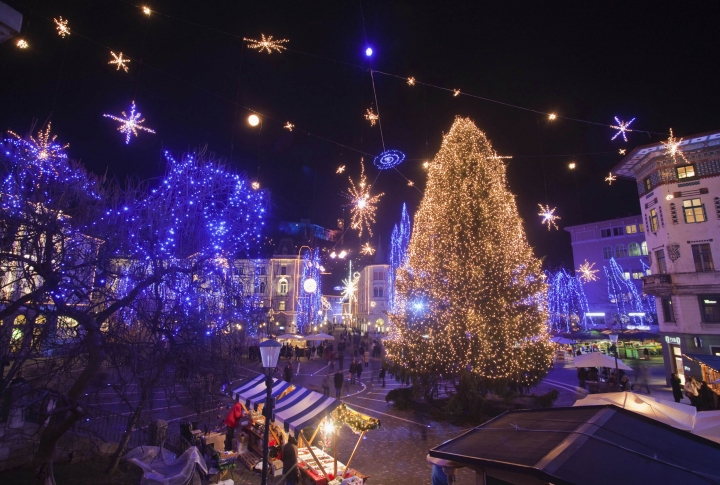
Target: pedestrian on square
(367, 358)
(338, 383)
(288, 372)
(707, 397)
(297, 354)
(691, 390)
(290, 462)
(676, 389)
(341, 358)
(358, 371)
(232, 421)
(326, 384)
(381, 377)
(352, 369)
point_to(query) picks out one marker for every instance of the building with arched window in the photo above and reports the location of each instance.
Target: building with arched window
(373, 301)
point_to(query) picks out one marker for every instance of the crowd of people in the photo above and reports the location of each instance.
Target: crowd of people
(698, 392)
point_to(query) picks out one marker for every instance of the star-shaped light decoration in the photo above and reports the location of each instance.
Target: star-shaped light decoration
(367, 250)
(372, 117)
(610, 178)
(672, 148)
(363, 206)
(268, 44)
(587, 273)
(410, 183)
(22, 44)
(411, 81)
(622, 151)
(456, 92)
(130, 124)
(548, 216)
(289, 126)
(350, 287)
(622, 127)
(44, 147)
(120, 61)
(340, 169)
(62, 27)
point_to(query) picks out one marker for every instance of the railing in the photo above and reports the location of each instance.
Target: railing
(657, 279)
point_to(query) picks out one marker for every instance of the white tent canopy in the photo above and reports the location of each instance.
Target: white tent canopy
(598, 359)
(319, 336)
(290, 336)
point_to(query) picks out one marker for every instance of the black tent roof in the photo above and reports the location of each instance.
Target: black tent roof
(588, 445)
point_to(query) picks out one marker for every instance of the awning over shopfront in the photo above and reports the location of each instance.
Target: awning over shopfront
(253, 392)
(712, 361)
(303, 407)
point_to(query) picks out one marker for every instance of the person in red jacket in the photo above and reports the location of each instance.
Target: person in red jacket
(232, 421)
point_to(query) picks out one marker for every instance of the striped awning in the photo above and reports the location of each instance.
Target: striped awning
(253, 391)
(248, 385)
(303, 407)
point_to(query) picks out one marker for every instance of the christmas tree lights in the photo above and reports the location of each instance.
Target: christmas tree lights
(399, 241)
(470, 265)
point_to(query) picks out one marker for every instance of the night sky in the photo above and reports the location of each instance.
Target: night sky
(653, 61)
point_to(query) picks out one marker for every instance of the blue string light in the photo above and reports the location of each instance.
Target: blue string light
(399, 241)
(310, 302)
(566, 301)
(389, 159)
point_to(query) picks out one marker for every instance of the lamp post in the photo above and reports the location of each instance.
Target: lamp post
(614, 340)
(269, 353)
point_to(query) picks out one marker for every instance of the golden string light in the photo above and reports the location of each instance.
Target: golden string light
(587, 273)
(45, 146)
(22, 44)
(120, 61)
(552, 116)
(410, 183)
(289, 126)
(371, 117)
(146, 10)
(367, 249)
(548, 216)
(490, 321)
(255, 185)
(363, 206)
(268, 44)
(572, 165)
(672, 148)
(610, 178)
(411, 81)
(62, 27)
(340, 169)
(456, 92)
(622, 151)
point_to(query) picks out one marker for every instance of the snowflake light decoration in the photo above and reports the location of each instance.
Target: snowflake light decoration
(350, 287)
(130, 124)
(120, 61)
(268, 44)
(44, 148)
(62, 27)
(410, 183)
(363, 206)
(411, 81)
(610, 178)
(22, 44)
(548, 216)
(622, 151)
(622, 127)
(367, 249)
(372, 117)
(587, 273)
(672, 148)
(289, 126)
(340, 169)
(456, 92)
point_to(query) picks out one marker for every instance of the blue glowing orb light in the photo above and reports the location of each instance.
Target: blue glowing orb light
(368, 52)
(389, 159)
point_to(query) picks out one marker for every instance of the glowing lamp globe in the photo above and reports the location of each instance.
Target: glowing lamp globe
(368, 52)
(254, 120)
(269, 353)
(310, 285)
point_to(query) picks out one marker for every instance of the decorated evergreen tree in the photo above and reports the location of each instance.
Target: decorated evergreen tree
(471, 294)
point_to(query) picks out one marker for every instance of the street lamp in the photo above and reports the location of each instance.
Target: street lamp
(614, 340)
(269, 353)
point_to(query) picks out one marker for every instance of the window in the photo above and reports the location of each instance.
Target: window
(621, 251)
(262, 287)
(631, 229)
(283, 287)
(605, 232)
(634, 249)
(702, 257)
(618, 231)
(607, 252)
(660, 260)
(637, 274)
(281, 305)
(240, 270)
(643, 248)
(626, 275)
(377, 275)
(709, 308)
(641, 227)
(668, 312)
(648, 184)
(653, 220)
(377, 292)
(685, 172)
(283, 270)
(694, 211)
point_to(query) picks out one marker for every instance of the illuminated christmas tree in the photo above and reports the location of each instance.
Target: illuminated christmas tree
(471, 294)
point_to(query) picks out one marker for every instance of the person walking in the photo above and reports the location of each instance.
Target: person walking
(326, 384)
(359, 371)
(341, 358)
(381, 376)
(676, 389)
(353, 365)
(367, 358)
(297, 354)
(288, 372)
(290, 462)
(338, 383)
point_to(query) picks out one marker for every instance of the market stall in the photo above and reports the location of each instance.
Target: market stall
(297, 411)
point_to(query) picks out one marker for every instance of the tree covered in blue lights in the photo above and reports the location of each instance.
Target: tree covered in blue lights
(310, 292)
(399, 241)
(632, 306)
(566, 301)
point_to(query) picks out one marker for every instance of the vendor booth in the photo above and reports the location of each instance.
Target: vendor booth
(298, 411)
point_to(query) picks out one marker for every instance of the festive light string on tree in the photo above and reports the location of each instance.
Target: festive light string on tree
(548, 216)
(130, 124)
(310, 298)
(363, 206)
(626, 297)
(566, 302)
(463, 285)
(268, 44)
(399, 241)
(44, 147)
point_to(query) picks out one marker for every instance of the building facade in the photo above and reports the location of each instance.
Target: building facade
(374, 298)
(679, 190)
(616, 255)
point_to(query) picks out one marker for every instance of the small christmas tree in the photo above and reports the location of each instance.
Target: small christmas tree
(471, 292)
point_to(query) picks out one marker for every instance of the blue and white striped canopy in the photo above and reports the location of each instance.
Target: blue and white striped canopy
(303, 407)
(254, 391)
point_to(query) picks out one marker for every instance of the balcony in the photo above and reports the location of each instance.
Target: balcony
(657, 285)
